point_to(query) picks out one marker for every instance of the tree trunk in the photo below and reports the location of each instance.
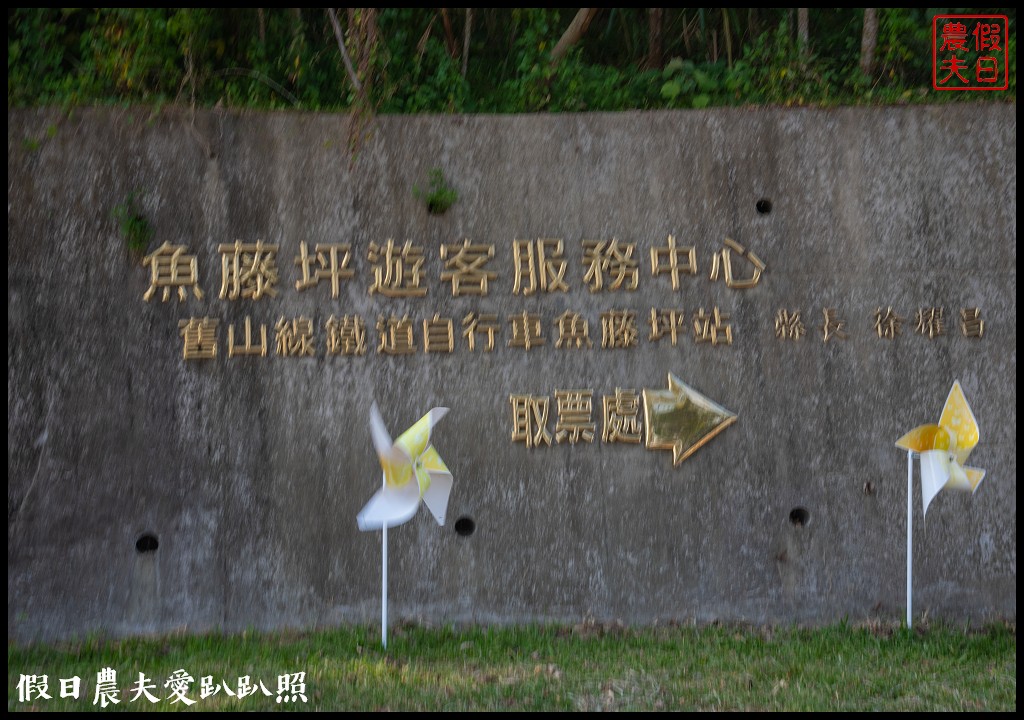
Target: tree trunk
(868, 41)
(803, 37)
(728, 36)
(572, 35)
(449, 35)
(655, 21)
(465, 41)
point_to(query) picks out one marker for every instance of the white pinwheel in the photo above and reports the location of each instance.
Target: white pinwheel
(944, 448)
(413, 471)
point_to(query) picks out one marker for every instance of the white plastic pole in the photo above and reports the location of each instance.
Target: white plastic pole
(384, 589)
(910, 534)
(384, 577)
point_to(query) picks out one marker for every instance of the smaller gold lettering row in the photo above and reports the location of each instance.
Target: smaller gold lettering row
(346, 335)
(928, 321)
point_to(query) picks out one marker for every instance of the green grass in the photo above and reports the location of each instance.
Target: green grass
(587, 667)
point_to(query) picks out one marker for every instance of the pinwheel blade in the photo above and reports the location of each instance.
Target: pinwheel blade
(934, 475)
(379, 432)
(392, 457)
(415, 440)
(389, 506)
(923, 438)
(965, 479)
(974, 477)
(436, 495)
(958, 419)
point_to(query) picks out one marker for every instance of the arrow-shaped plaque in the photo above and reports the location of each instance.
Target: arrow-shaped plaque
(681, 419)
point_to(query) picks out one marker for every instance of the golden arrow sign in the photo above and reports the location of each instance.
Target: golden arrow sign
(681, 419)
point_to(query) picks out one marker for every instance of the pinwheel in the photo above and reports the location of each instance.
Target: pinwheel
(413, 471)
(943, 449)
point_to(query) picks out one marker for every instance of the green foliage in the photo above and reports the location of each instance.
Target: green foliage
(689, 85)
(439, 195)
(418, 75)
(289, 58)
(536, 80)
(782, 75)
(37, 43)
(133, 52)
(135, 228)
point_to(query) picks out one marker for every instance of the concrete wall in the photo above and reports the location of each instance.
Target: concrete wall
(249, 471)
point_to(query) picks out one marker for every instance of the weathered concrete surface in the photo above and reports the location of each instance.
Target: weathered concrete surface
(250, 471)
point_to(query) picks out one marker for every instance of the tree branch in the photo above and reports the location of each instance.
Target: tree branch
(344, 53)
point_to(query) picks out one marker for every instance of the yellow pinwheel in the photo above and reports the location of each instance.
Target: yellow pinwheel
(944, 449)
(413, 471)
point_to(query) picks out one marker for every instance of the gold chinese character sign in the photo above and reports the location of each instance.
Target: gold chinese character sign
(172, 268)
(681, 419)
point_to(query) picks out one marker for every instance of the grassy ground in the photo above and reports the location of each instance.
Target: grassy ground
(586, 667)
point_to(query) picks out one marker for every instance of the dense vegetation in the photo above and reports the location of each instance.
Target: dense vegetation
(409, 60)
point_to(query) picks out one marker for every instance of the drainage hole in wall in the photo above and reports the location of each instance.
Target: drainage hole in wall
(764, 206)
(464, 526)
(146, 543)
(799, 517)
